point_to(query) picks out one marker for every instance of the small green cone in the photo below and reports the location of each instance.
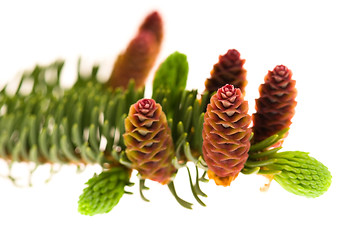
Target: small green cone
(301, 174)
(103, 191)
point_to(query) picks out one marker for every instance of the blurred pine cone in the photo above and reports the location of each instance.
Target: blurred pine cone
(149, 142)
(140, 55)
(226, 136)
(229, 70)
(153, 23)
(276, 105)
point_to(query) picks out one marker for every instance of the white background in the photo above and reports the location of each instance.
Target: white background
(318, 41)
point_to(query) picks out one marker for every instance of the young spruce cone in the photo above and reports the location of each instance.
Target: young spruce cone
(229, 70)
(103, 191)
(154, 24)
(301, 174)
(149, 142)
(276, 105)
(226, 136)
(140, 55)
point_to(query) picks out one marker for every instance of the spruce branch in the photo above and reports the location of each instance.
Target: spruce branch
(111, 124)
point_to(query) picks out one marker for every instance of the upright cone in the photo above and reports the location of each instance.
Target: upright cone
(226, 136)
(140, 55)
(276, 105)
(149, 142)
(229, 70)
(153, 23)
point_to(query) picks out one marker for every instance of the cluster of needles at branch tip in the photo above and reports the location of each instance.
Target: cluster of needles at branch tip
(112, 124)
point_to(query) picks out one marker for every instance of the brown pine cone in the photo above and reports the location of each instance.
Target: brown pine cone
(148, 140)
(276, 105)
(229, 70)
(226, 136)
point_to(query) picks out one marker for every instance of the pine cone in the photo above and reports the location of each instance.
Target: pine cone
(229, 70)
(276, 105)
(226, 135)
(153, 23)
(140, 55)
(149, 142)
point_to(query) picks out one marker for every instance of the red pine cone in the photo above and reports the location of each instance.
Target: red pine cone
(140, 55)
(153, 23)
(149, 142)
(226, 136)
(276, 104)
(229, 70)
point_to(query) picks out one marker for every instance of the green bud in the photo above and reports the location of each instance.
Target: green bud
(301, 174)
(103, 191)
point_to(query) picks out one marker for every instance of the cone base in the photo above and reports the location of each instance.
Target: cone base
(221, 181)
